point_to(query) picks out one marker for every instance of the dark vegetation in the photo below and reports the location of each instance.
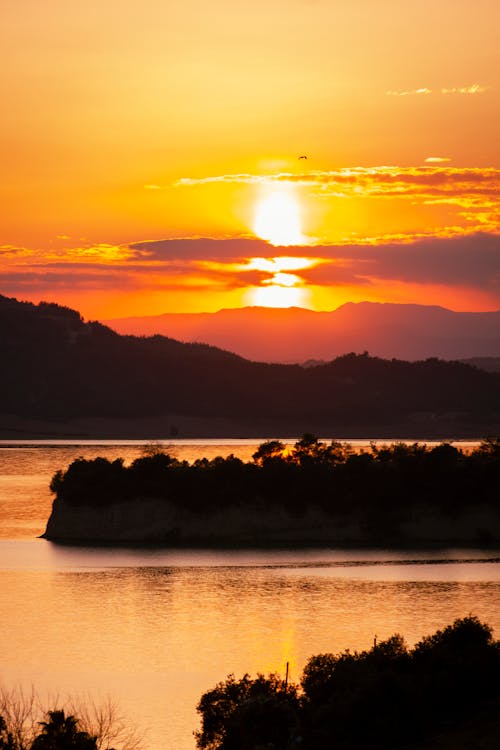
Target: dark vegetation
(379, 489)
(444, 693)
(85, 725)
(491, 364)
(56, 367)
(58, 732)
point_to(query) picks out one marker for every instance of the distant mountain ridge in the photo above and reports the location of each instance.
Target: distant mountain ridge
(61, 376)
(409, 332)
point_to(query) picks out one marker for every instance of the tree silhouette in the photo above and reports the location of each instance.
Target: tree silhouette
(387, 698)
(60, 732)
(246, 714)
(271, 449)
(6, 739)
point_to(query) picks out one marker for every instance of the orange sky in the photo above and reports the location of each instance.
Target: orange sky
(132, 122)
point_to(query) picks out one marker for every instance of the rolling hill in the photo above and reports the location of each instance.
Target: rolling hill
(409, 332)
(61, 376)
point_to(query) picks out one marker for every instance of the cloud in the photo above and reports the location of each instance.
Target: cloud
(195, 265)
(248, 179)
(412, 92)
(462, 252)
(13, 250)
(214, 273)
(66, 278)
(203, 249)
(478, 188)
(437, 159)
(469, 261)
(103, 252)
(475, 88)
(359, 181)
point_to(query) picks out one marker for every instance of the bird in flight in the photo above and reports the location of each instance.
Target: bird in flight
(303, 156)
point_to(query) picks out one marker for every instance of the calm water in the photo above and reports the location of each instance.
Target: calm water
(156, 628)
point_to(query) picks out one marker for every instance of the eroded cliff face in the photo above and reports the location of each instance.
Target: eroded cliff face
(138, 521)
(158, 521)
(151, 520)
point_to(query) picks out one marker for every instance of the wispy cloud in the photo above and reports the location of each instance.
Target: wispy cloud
(13, 250)
(103, 252)
(477, 189)
(475, 88)
(411, 92)
(375, 180)
(437, 159)
(242, 177)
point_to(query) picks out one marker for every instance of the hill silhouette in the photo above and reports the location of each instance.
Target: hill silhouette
(60, 371)
(409, 332)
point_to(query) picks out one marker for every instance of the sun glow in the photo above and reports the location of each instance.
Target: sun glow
(282, 288)
(279, 264)
(277, 219)
(278, 296)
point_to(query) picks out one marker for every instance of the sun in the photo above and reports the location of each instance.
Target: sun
(277, 219)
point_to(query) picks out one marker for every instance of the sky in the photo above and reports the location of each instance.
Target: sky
(197, 155)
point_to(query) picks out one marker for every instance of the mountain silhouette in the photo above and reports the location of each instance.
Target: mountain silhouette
(59, 370)
(409, 332)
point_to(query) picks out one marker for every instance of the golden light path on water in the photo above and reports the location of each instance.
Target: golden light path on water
(155, 628)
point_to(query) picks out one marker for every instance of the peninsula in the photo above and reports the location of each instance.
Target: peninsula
(311, 493)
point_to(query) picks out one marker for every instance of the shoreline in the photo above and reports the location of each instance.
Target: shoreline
(422, 427)
(293, 545)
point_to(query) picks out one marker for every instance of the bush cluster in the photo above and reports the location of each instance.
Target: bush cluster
(384, 698)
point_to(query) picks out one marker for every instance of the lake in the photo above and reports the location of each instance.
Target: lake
(155, 628)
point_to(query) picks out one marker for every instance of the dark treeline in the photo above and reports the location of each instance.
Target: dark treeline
(57, 367)
(381, 487)
(442, 694)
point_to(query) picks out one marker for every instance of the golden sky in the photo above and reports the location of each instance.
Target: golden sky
(131, 129)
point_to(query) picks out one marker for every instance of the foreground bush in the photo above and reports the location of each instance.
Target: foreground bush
(387, 697)
(79, 725)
